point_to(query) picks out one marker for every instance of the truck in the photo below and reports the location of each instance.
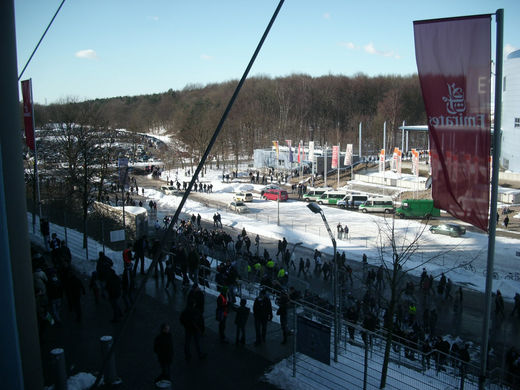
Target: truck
(417, 208)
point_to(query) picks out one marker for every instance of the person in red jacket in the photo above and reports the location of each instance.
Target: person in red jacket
(127, 255)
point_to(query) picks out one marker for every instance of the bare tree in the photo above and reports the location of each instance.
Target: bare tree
(398, 254)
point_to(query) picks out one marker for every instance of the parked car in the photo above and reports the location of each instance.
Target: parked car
(448, 229)
(238, 207)
(269, 187)
(243, 197)
(275, 194)
(169, 190)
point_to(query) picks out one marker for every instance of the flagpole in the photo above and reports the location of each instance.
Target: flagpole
(360, 141)
(494, 193)
(325, 166)
(339, 162)
(36, 176)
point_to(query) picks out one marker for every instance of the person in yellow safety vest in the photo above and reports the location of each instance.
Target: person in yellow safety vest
(270, 268)
(412, 311)
(281, 273)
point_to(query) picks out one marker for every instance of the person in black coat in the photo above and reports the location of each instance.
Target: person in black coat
(241, 321)
(193, 323)
(74, 289)
(113, 286)
(196, 298)
(163, 347)
(263, 313)
(283, 312)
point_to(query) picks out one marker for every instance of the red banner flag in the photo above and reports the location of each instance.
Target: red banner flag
(454, 64)
(28, 113)
(335, 156)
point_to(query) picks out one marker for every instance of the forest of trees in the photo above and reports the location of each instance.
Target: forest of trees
(298, 107)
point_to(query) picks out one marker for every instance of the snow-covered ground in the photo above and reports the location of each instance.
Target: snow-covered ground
(298, 224)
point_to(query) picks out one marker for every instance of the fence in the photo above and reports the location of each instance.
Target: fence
(359, 360)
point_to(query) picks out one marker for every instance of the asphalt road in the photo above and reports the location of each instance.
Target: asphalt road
(467, 325)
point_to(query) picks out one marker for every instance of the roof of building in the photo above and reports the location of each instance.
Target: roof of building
(515, 54)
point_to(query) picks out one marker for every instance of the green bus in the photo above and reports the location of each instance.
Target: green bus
(417, 208)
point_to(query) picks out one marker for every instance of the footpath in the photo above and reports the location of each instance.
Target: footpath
(226, 366)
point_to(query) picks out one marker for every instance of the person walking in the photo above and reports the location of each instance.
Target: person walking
(193, 323)
(113, 286)
(340, 231)
(301, 267)
(196, 298)
(127, 255)
(283, 311)
(506, 221)
(163, 348)
(221, 315)
(263, 312)
(499, 305)
(74, 289)
(55, 295)
(127, 287)
(140, 247)
(242, 315)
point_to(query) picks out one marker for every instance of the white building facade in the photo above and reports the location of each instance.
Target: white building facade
(510, 156)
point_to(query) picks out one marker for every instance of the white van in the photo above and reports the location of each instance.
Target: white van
(313, 194)
(352, 201)
(243, 197)
(383, 204)
(331, 197)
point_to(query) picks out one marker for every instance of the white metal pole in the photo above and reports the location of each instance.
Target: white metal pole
(494, 194)
(384, 137)
(402, 136)
(339, 161)
(325, 166)
(360, 141)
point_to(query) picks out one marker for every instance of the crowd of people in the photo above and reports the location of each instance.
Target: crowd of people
(413, 320)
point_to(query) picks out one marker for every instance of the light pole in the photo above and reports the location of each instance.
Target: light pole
(278, 205)
(317, 210)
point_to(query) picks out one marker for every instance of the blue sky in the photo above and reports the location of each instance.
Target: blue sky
(106, 48)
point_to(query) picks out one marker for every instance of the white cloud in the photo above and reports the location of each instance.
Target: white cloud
(154, 18)
(206, 57)
(326, 15)
(348, 45)
(370, 49)
(508, 49)
(88, 54)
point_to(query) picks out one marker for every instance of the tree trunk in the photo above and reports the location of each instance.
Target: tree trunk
(85, 206)
(390, 323)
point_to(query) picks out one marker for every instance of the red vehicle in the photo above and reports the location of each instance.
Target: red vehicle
(275, 194)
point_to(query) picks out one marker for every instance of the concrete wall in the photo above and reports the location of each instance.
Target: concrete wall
(136, 224)
(393, 182)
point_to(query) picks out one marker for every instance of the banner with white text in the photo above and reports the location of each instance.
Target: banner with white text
(454, 65)
(28, 113)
